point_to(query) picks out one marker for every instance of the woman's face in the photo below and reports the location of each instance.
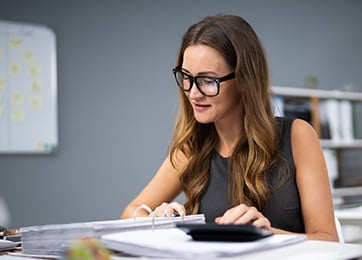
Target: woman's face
(202, 60)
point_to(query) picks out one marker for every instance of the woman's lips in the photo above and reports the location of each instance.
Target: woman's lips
(200, 107)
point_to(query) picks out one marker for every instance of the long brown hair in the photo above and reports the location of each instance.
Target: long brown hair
(255, 151)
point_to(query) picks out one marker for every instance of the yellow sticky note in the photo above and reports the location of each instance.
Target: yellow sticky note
(17, 98)
(29, 56)
(34, 70)
(36, 102)
(39, 144)
(2, 84)
(15, 68)
(14, 42)
(18, 115)
(35, 86)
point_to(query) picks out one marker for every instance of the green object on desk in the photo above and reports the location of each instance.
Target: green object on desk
(87, 249)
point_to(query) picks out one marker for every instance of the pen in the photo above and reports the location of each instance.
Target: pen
(175, 214)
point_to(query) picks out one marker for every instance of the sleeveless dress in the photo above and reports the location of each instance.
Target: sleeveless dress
(283, 207)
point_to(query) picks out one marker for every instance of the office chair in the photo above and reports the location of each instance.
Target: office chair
(339, 230)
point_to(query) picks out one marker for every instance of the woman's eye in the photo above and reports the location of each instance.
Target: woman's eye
(207, 81)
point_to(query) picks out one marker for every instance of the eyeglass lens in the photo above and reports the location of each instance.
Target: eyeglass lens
(208, 86)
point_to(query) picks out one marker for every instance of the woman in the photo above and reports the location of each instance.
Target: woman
(235, 162)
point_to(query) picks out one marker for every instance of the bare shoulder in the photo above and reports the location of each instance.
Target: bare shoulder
(301, 127)
(305, 143)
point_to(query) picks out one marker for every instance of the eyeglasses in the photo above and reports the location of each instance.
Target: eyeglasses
(208, 86)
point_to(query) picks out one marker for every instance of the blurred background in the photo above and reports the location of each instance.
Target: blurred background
(117, 98)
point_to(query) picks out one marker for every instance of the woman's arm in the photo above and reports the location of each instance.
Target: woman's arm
(164, 187)
(313, 186)
(313, 183)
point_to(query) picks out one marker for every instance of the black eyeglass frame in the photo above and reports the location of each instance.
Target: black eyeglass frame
(193, 80)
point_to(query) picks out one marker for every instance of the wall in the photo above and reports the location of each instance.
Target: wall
(117, 97)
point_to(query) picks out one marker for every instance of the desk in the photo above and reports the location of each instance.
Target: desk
(310, 249)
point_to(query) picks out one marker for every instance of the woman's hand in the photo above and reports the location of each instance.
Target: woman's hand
(243, 214)
(169, 210)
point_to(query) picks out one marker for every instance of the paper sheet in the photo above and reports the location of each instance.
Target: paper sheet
(174, 243)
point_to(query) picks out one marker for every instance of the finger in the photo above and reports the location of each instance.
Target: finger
(159, 211)
(155, 212)
(233, 214)
(178, 208)
(168, 211)
(262, 223)
(174, 209)
(217, 220)
(249, 216)
(254, 217)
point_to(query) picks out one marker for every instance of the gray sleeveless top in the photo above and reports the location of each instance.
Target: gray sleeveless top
(283, 208)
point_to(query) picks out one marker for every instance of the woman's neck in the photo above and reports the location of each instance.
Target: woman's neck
(228, 138)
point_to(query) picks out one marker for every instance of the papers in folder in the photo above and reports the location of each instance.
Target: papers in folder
(7, 245)
(174, 243)
(54, 239)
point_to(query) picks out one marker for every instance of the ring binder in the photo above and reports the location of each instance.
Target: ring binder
(143, 206)
(51, 239)
(179, 213)
(149, 210)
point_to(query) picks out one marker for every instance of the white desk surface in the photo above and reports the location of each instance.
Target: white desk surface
(310, 250)
(307, 250)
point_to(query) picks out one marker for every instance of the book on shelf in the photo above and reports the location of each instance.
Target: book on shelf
(54, 239)
(346, 119)
(338, 116)
(278, 105)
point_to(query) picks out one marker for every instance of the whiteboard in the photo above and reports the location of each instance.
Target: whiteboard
(28, 89)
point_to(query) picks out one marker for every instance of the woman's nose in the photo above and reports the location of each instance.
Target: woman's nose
(195, 92)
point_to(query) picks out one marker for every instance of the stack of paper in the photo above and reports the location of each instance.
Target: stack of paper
(7, 245)
(54, 239)
(174, 243)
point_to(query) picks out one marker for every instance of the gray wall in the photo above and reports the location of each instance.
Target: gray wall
(117, 98)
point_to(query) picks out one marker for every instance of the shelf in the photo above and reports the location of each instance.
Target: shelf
(331, 110)
(353, 144)
(307, 93)
(348, 191)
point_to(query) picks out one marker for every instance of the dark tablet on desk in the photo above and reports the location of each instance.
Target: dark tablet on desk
(216, 232)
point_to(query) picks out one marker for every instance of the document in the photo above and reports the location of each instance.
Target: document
(7, 245)
(54, 239)
(174, 243)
